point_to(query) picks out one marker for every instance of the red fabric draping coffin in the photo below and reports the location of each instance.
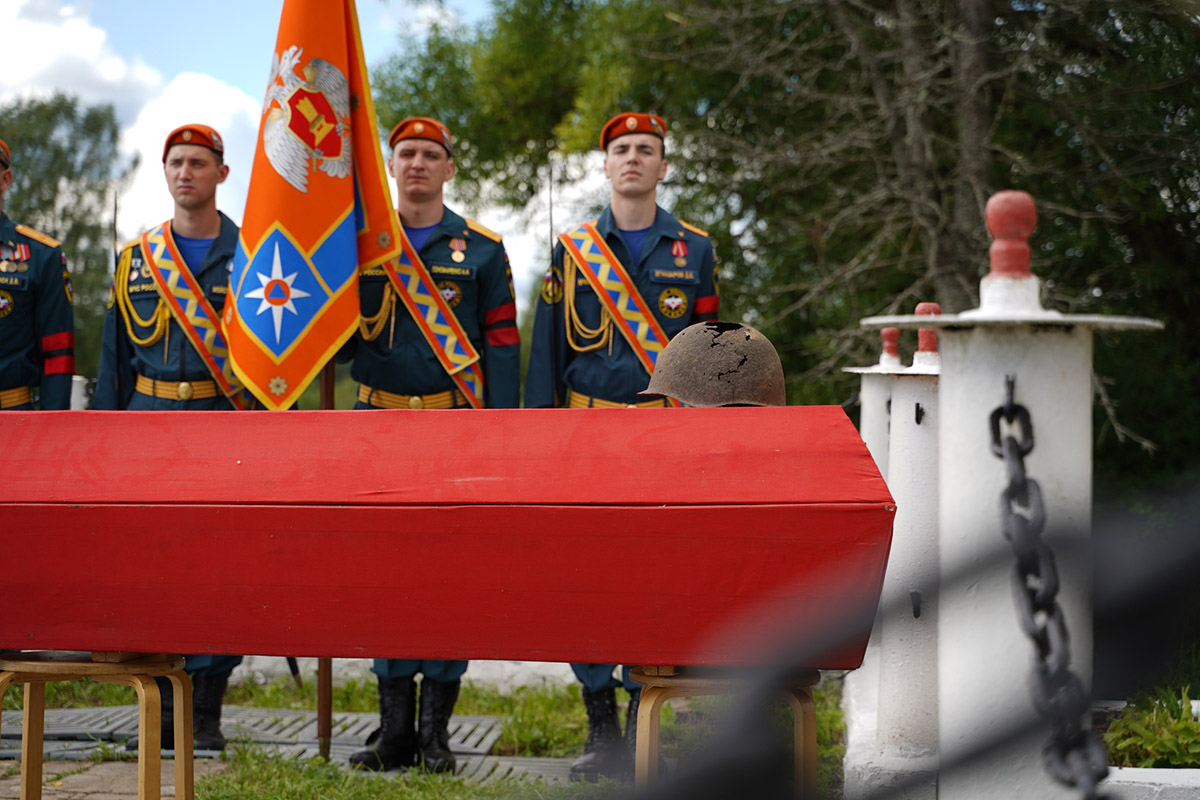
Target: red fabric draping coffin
(693, 536)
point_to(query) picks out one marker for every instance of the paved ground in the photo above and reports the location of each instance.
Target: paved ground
(68, 775)
(87, 780)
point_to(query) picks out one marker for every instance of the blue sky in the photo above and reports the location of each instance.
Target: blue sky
(232, 40)
(162, 63)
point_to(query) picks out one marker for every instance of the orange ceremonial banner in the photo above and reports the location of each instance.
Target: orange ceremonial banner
(318, 209)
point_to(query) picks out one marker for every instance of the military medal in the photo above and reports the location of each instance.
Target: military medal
(3, 266)
(679, 250)
(458, 246)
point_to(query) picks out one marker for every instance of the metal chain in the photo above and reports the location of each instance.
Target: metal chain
(1074, 755)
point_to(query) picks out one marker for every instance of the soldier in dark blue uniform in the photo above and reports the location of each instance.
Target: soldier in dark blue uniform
(37, 321)
(147, 361)
(396, 366)
(581, 359)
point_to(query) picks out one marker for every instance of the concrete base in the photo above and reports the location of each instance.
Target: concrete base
(1128, 783)
(869, 775)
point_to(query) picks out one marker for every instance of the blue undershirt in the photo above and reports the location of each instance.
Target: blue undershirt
(635, 240)
(193, 250)
(419, 236)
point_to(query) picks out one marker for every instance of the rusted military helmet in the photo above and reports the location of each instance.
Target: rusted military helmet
(713, 364)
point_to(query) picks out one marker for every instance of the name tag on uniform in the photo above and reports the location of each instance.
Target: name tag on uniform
(675, 276)
(14, 281)
(454, 271)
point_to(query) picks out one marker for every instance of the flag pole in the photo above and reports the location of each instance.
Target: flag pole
(325, 665)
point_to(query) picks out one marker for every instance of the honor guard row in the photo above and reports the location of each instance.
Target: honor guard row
(37, 321)
(618, 289)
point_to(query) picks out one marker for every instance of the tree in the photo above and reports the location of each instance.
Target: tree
(841, 153)
(66, 171)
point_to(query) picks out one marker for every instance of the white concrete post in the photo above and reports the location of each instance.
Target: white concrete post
(984, 658)
(860, 690)
(908, 719)
(875, 397)
(906, 737)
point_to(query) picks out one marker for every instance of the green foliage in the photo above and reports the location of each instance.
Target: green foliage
(547, 721)
(76, 694)
(1156, 730)
(66, 169)
(841, 154)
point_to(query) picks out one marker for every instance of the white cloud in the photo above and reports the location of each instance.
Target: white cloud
(188, 98)
(50, 47)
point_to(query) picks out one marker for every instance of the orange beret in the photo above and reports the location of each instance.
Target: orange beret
(622, 124)
(195, 134)
(422, 128)
(5, 156)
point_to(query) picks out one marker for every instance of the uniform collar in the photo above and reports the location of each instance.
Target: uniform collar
(452, 225)
(664, 224)
(223, 248)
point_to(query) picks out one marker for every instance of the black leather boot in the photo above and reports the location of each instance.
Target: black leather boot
(207, 695)
(168, 716)
(394, 743)
(433, 725)
(604, 752)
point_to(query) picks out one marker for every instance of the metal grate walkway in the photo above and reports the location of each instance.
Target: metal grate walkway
(78, 734)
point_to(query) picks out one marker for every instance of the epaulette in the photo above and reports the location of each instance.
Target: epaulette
(693, 229)
(482, 231)
(37, 236)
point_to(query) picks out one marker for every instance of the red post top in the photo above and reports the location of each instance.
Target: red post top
(927, 337)
(1011, 217)
(891, 341)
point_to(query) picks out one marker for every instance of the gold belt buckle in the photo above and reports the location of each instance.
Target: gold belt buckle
(185, 390)
(415, 401)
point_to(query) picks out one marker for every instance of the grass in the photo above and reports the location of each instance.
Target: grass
(255, 773)
(545, 721)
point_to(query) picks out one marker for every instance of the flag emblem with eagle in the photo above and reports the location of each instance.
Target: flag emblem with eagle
(307, 119)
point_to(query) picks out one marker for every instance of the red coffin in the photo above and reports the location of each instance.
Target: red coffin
(692, 536)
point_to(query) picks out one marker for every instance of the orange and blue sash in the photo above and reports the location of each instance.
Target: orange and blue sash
(436, 321)
(617, 294)
(190, 308)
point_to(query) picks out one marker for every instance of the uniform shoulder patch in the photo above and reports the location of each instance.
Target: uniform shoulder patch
(37, 236)
(693, 228)
(482, 231)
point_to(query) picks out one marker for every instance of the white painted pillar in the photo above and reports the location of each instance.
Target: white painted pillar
(875, 397)
(907, 731)
(860, 689)
(984, 658)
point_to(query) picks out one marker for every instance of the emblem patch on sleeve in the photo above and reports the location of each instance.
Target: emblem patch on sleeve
(6, 303)
(552, 286)
(67, 287)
